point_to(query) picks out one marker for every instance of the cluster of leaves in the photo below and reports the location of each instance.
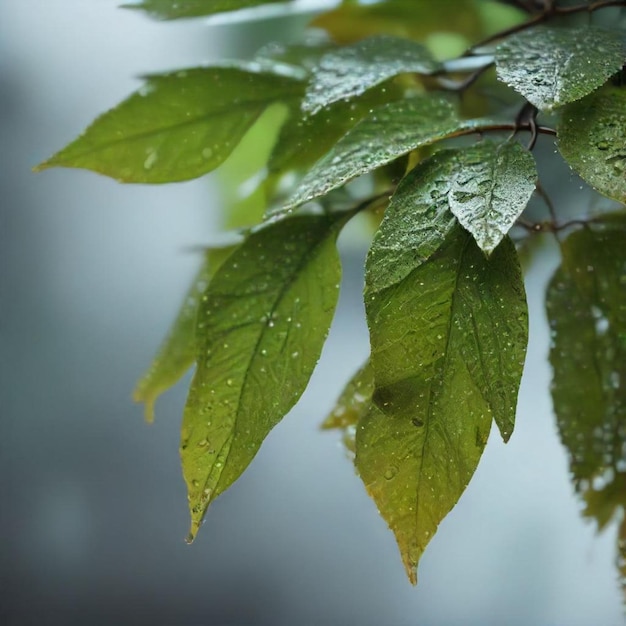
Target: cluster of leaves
(444, 293)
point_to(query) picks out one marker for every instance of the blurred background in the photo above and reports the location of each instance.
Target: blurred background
(93, 509)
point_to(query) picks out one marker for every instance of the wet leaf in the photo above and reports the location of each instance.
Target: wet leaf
(352, 406)
(586, 306)
(178, 126)
(492, 185)
(382, 136)
(592, 139)
(448, 343)
(178, 352)
(261, 327)
(351, 70)
(553, 66)
(306, 138)
(176, 9)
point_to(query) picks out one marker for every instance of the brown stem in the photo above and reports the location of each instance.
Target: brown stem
(548, 13)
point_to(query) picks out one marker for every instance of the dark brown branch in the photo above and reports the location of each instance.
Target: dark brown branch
(550, 12)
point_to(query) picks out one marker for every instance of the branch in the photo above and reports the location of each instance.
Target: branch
(549, 12)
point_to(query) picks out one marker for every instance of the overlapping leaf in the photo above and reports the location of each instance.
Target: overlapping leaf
(586, 306)
(176, 9)
(352, 406)
(382, 136)
(353, 21)
(305, 139)
(553, 66)
(592, 138)
(178, 352)
(261, 327)
(351, 70)
(448, 333)
(490, 189)
(178, 126)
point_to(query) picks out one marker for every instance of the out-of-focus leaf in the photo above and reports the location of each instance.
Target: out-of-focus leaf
(448, 344)
(492, 185)
(553, 66)
(261, 326)
(177, 9)
(592, 139)
(352, 70)
(305, 139)
(178, 352)
(353, 21)
(178, 126)
(352, 406)
(382, 136)
(586, 304)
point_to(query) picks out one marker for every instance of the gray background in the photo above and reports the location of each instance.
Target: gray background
(93, 507)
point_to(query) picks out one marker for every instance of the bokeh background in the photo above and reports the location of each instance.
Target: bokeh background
(92, 502)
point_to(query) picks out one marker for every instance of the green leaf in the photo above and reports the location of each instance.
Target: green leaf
(261, 327)
(176, 9)
(592, 139)
(351, 70)
(586, 306)
(305, 139)
(491, 187)
(382, 136)
(178, 352)
(178, 126)
(553, 66)
(352, 406)
(448, 344)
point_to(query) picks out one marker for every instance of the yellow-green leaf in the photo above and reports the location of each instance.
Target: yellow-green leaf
(448, 338)
(178, 126)
(261, 327)
(178, 352)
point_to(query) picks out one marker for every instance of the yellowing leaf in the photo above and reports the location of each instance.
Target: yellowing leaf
(261, 327)
(448, 337)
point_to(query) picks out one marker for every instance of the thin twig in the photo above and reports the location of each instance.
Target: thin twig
(549, 12)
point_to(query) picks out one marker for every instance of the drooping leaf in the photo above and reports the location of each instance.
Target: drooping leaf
(178, 126)
(382, 136)
(178, 352)
(353, 21)
(586, 306)
(448, 344)
(492, 185)
(553, 66)
(352, 70)
(306, 138)
(592, 138)
(261, 327)
(352, 406)
(176, 9)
